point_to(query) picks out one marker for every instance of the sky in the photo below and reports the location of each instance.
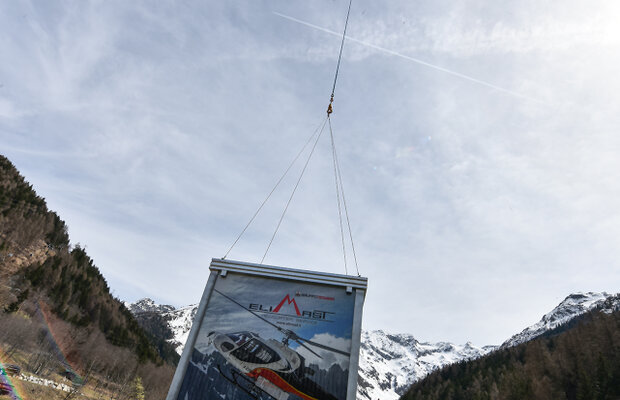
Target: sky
(478, 144)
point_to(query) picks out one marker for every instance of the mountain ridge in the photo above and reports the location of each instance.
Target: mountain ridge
(573, 305)
(391, 362)
(576, 360)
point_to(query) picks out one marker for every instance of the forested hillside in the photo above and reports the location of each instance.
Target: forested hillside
(56, 310)
(576, 361)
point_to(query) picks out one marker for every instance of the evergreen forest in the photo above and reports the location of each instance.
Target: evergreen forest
(576, 361)
(58, 318)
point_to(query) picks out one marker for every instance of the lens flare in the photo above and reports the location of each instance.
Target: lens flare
(15, 390)
(53, 341)
(15, 385)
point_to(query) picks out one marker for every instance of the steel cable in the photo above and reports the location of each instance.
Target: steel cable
(288, 203)
(274, 189)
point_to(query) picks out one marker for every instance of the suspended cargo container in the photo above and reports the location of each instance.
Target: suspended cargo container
(263, 332)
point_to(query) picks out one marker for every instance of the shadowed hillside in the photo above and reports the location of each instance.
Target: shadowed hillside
(56, 310)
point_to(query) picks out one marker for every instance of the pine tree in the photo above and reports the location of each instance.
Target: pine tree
(138, 389)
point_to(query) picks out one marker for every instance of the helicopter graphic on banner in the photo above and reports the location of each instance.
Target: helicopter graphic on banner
(264, 339)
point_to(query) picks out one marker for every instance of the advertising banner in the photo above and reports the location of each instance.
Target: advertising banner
(288, 335)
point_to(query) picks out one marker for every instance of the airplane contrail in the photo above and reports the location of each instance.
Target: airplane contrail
(406, 57)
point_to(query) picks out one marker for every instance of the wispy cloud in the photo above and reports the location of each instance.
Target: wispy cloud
(413, 59)
(156, 130)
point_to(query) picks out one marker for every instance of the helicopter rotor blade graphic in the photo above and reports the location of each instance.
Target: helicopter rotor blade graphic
(287, 332)
(299, 339)
(308, 348)
(322, 346)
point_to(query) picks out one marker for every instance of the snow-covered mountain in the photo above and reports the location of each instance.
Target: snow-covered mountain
(390, 363)
(147, 306)
(572, 306)
(179, 320)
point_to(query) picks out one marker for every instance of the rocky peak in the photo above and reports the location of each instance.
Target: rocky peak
(572, 306)
(148, 305)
